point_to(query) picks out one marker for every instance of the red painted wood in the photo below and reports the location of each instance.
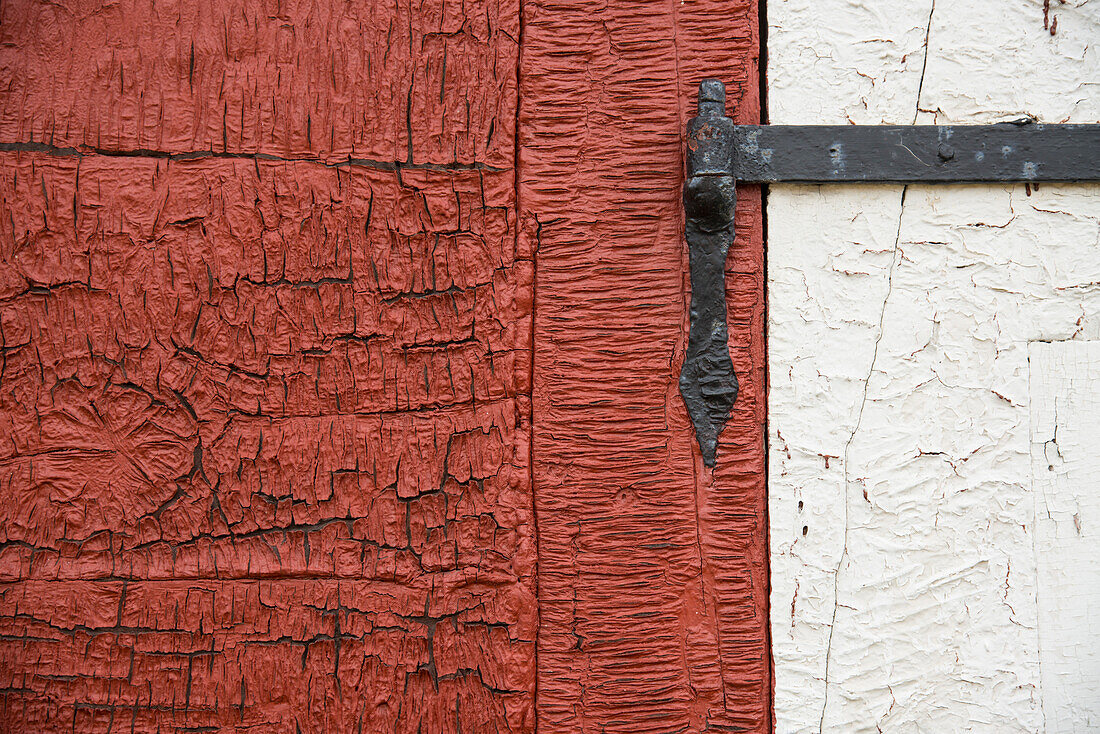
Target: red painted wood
(652, 569)
(265, 422)
(268, 416)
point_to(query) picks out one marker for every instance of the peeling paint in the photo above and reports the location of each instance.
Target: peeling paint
(900, 323)
(264, 369)
(1064, 380)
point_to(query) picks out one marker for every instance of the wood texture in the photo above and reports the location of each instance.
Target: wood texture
(416, 82)
(1064, 385)
(901, 486)
(652, 569)
(266, 429)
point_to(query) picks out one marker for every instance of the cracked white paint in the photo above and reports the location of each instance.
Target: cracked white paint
(1065, 470)
(914, 585)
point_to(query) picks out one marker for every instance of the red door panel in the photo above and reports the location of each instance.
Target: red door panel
(278, 418)
(652, 568)
(266, 452)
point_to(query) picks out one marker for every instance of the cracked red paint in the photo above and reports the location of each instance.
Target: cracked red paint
(267, 277)
(266, 419)
(652, 568)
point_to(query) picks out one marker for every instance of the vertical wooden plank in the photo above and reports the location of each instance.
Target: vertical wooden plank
(1064, 391)
(652, 569)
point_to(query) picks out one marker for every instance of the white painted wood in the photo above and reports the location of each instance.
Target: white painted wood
(905, 564)
(1065, 470)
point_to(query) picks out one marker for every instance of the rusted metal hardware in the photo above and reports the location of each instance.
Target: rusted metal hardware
(719, 154)
(1023, 151)
(707, 382)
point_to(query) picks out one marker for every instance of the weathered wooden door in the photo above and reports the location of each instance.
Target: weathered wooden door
(338, 387)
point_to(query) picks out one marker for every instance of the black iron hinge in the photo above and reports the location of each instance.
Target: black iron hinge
(719, 154)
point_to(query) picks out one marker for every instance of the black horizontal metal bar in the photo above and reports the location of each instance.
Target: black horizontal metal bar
(915, 153)
(719, 153)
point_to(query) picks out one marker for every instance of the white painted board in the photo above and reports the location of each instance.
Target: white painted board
(907, 590)
(1065, 477)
